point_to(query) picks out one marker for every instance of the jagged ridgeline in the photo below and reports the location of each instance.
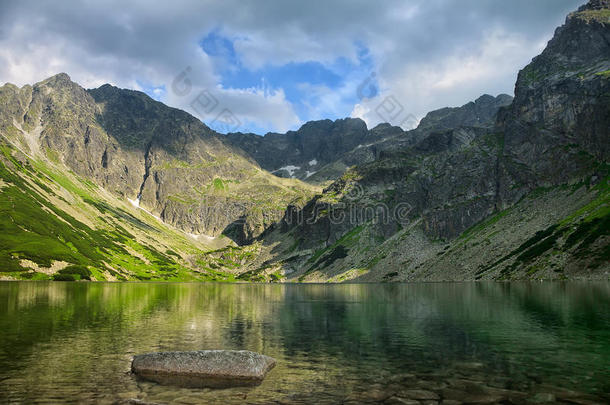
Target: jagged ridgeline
(110, 184)
(496, 189)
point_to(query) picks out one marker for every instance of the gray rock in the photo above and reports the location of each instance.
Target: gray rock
(542, 397)
(135, 147)
(463, 165)
(315, 144)
(401, 401)
(204, 368)
(418, 394)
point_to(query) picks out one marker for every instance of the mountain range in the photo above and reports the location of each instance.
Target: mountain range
(108, 184)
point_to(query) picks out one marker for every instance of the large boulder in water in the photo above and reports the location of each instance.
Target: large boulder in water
(204, 368)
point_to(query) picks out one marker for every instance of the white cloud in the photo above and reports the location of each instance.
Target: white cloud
(412, 90)
(427, 53)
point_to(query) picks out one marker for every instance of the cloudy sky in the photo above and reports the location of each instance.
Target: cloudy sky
(271, 65)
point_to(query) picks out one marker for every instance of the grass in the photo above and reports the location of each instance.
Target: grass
(73, 273)
(34, 228)
(605, 74)
(602, 16)
(326, 256)
(468, 234)
(261, 275)
(219, 185)
(576, 234)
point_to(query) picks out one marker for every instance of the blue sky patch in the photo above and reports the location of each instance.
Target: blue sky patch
(305, 84)
(154, 92)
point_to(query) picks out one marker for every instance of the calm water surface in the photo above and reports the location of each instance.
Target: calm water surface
(73, 342)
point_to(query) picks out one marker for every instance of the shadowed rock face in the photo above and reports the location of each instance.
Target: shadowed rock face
(303, 152)
(558, 124)
(323, 150)
(463, 165)
(204, 368)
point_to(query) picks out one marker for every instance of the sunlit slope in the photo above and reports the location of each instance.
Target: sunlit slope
(56, 225)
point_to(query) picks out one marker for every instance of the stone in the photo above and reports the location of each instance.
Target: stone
(418, 394)
(483, 399)
(583, 401)
(401, 377)
(542, 397)
(470, 365)
(373, 394)
(430, 385)
(401, 401)
(204, 368)
(136, 401)
(376, 395)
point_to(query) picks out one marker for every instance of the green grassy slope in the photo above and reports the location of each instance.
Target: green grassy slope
(55, 225)
(553, 233)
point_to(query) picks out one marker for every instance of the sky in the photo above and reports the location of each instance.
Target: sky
(271, 65)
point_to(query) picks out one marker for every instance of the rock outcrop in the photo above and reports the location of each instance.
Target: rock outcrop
(463, 166)
(558, 127)
(323, 150)
(205, 368)
(163, 159)
(398, 205)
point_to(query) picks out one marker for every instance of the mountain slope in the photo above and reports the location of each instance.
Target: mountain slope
(55, 224)
(322, 151)
(162, 159)
(531, 190)
(558, 125)
(108, 184)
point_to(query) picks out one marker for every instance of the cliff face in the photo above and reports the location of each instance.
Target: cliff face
(461, 167)
(499, 188)
(160, 158)
(300, 154)
(558, 126)
(322, 151)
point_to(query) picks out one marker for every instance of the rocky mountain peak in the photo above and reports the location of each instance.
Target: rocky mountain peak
(303, 152)
(479, 113)
(559, 112)
(595, 5)
(60, 81)
(597, 11)
(58, 78)
(581, 46)
(325, 125)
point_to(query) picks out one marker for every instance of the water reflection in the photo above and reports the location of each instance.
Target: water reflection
(73, 341)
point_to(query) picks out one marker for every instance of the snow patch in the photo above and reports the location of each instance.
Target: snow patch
(31, 138)
(290, 169)
(308, 173)
(313, 162)
(202, 236)
(136, 202)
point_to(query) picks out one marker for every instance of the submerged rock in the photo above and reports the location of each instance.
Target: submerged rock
(204, 368)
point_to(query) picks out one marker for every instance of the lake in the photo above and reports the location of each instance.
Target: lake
(73, 342)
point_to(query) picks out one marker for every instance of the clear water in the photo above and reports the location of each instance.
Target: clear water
(73, 342)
